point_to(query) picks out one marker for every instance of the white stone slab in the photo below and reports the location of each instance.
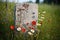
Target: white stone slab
(26, 13)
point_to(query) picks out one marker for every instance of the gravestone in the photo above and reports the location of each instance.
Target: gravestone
(26, 16)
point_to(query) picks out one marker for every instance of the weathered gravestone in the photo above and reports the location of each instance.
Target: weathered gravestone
(26, 17)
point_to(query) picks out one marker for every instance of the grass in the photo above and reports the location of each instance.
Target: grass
(51, 24)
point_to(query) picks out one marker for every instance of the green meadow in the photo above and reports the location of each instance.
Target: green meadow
(51, 24)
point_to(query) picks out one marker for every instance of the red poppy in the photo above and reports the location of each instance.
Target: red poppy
(31, 27)
(23, 29)
(12, 27)
(33, 22)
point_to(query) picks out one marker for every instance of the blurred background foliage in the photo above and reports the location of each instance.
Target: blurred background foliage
(6, 19)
